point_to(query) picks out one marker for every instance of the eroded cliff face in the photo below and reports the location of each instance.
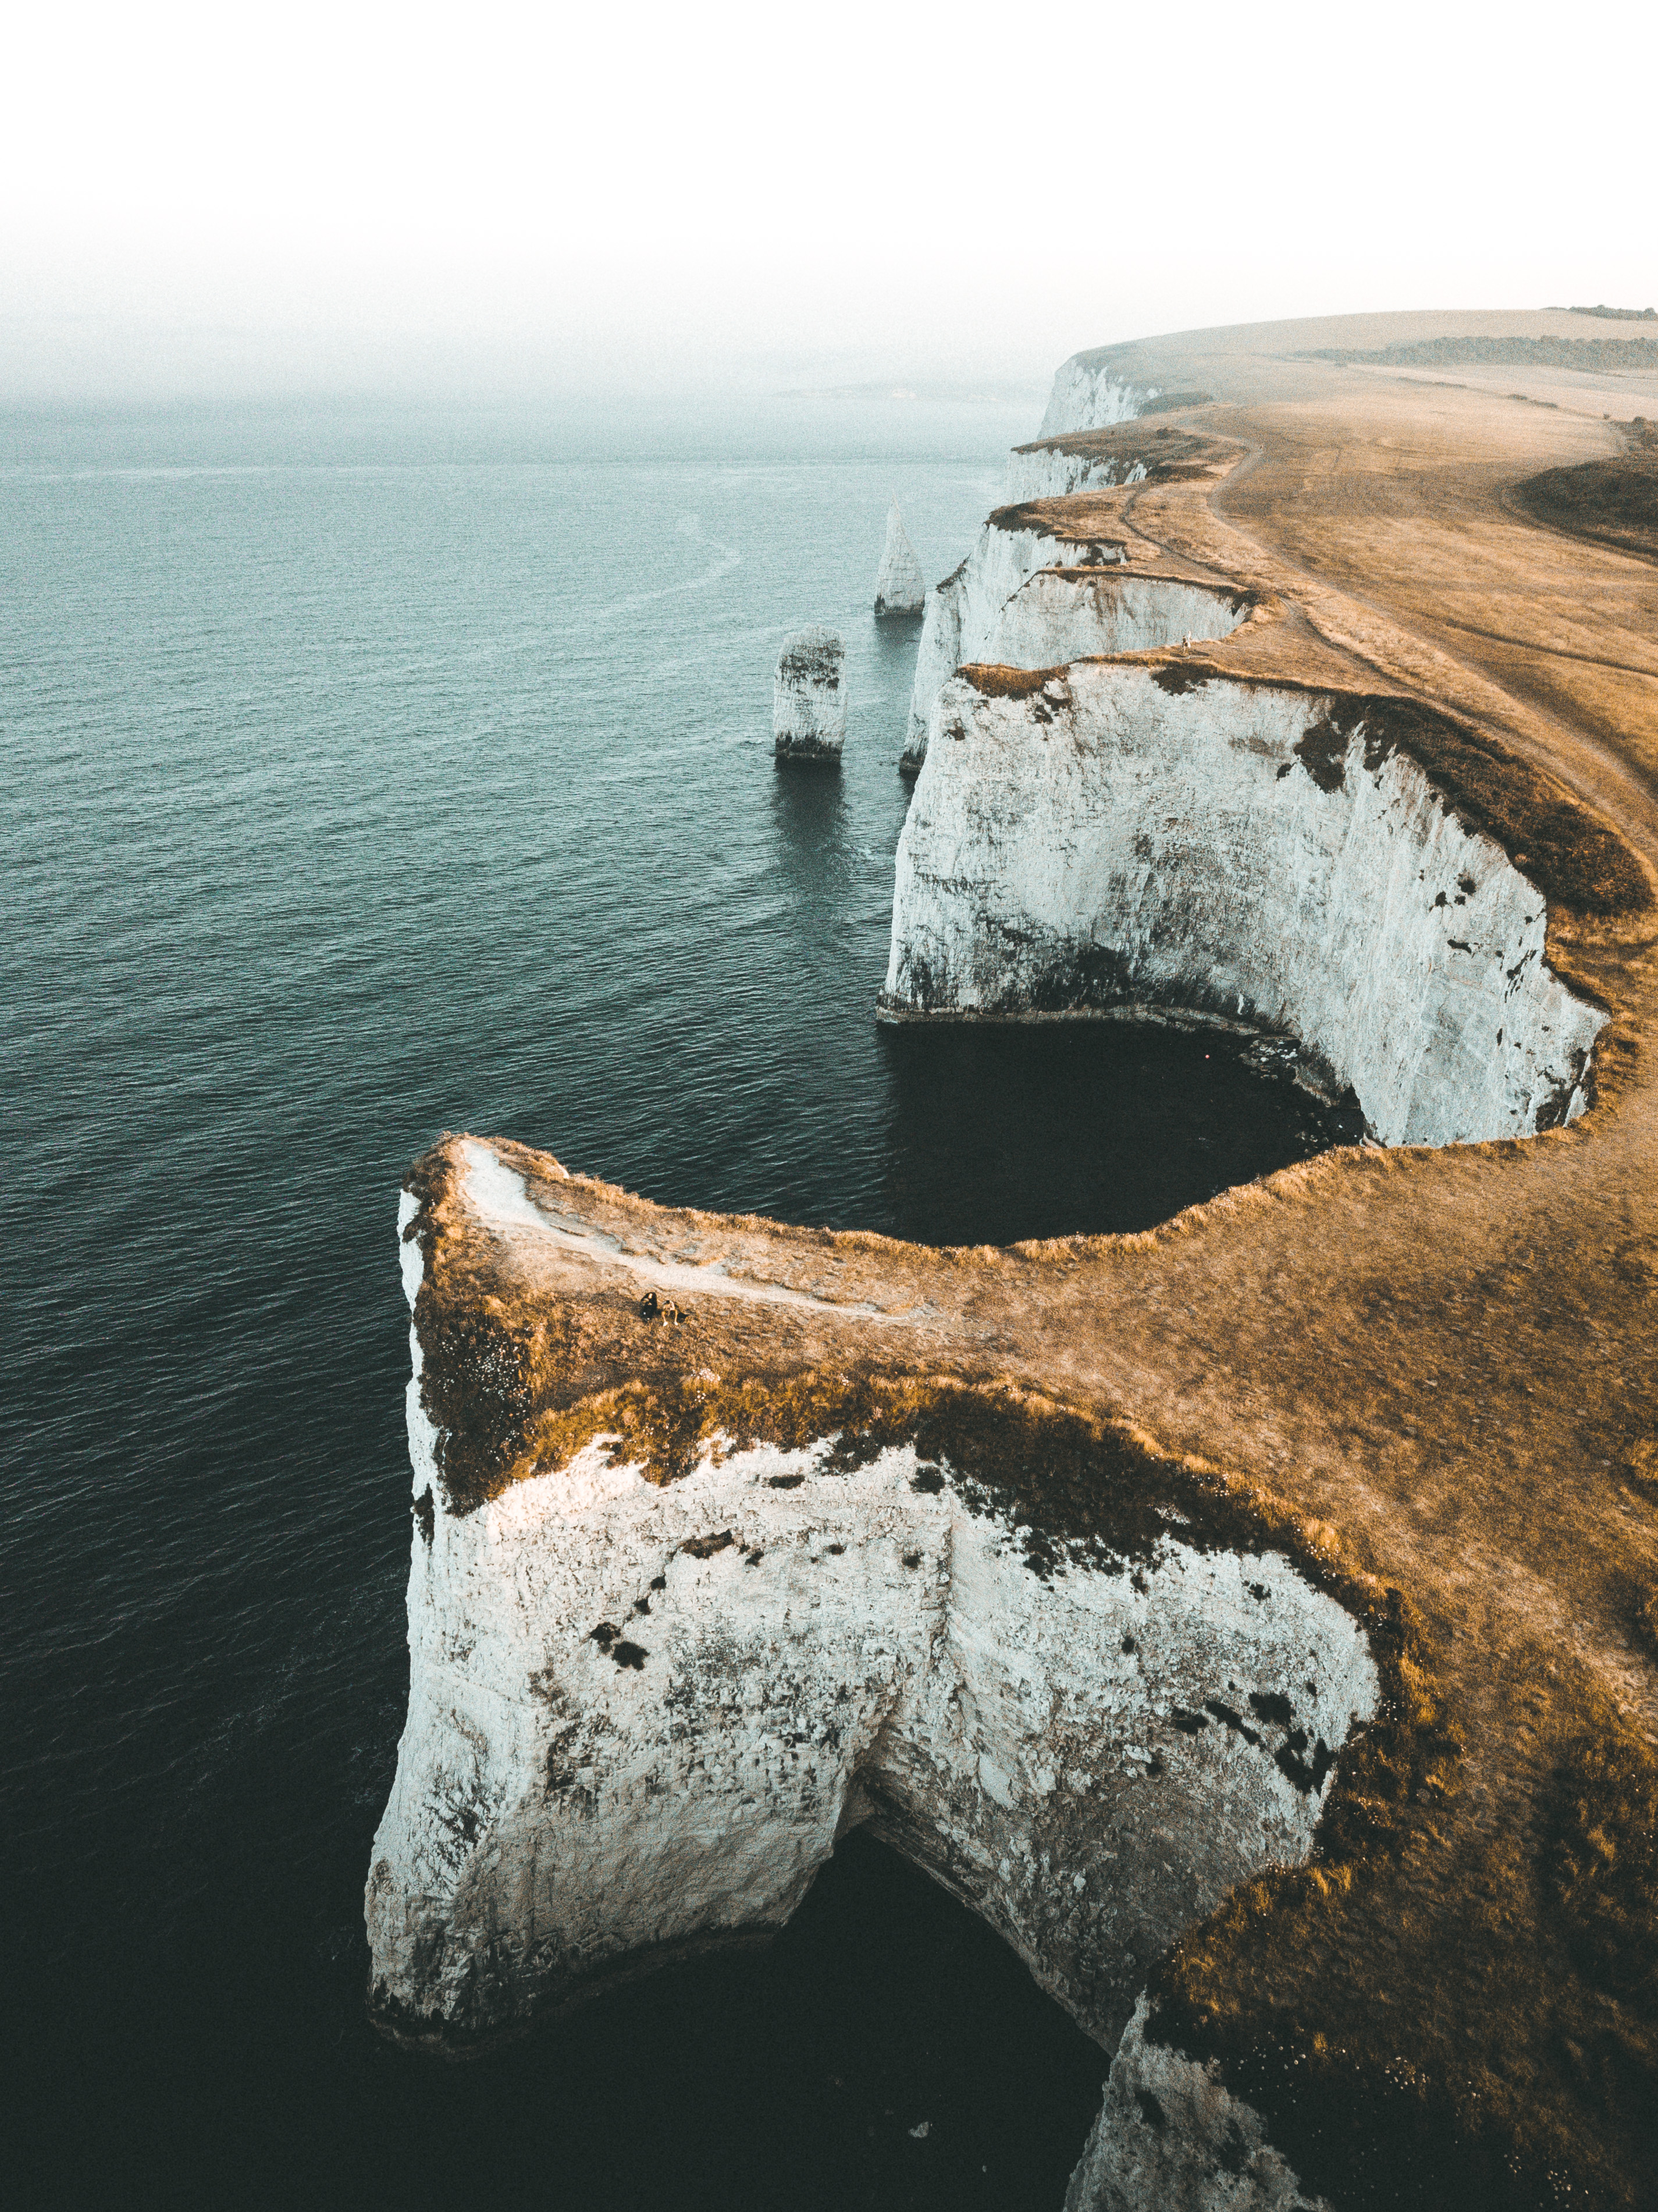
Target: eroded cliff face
(963, 612)
(1090, 393)
(1062, 615)
(1052, 472)
(1114, 837)
(1171, 2138)
(641, 1713)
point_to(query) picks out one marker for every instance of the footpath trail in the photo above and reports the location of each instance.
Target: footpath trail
(1454, 1355)
(1444, 1362)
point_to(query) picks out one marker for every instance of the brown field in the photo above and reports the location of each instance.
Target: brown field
(1433, 1374)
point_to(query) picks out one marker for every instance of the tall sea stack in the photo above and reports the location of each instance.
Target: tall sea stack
(899, 592)
(809, 701)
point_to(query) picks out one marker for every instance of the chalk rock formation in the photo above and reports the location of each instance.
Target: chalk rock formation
(1171, 2138)
(809, 699)
(642, 1709)
(1077, 614)
(1115, 837)
(963, 612)
(1050, 471)
(900, 588)
(1090, 393)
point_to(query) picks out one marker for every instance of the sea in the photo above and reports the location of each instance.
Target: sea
(371, 771)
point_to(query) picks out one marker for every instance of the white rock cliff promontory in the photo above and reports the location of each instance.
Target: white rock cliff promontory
(644, 1705)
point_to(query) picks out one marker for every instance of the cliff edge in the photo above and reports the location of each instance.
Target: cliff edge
(1252, 1619)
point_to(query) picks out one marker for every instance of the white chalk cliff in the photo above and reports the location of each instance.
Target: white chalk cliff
(899, 586)
(642, 1709)
(809, 696)
(1090, 393)
(1049, 471)
(965, 611)
(640, 1716)
(1080, 614)
(1148, 840)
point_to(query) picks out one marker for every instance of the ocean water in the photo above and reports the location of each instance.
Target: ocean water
(367, 775)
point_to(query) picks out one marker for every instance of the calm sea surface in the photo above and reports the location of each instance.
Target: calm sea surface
(366, 777)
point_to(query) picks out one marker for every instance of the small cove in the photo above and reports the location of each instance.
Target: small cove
(370, 779)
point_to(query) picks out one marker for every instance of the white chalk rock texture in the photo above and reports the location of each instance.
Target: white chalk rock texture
(1089, 393)
(639, 1718)
(1050, 472)
(1157, 840)
(900, 587)
(1171, 2138)
(1079, 614)
(809, 696)
(963, 612)
(640, 1715)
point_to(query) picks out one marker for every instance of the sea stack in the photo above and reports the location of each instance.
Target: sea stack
(809, 701)
(899, 592)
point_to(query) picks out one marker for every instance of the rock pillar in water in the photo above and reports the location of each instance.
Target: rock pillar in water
(809, 701)
(899, 589)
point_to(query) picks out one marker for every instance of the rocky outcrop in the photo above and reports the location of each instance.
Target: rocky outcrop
(641, 1712)
(964, 612)
(809, 699)
(1091, 391)
(1171, 2138)
(1114, 838)
(900, 587)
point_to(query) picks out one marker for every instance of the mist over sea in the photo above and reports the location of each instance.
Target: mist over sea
(369, 775)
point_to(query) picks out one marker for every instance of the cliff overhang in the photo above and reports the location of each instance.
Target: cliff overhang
(1414, 1385)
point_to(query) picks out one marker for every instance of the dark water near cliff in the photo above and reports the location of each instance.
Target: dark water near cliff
(366, 777)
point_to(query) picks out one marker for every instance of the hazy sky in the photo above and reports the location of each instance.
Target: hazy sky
(476, 201)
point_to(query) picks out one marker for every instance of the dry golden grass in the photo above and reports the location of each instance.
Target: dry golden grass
(1432, 1373)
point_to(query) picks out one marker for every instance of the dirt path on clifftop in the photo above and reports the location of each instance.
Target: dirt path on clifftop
(1446, 1361)
(1452, 1356)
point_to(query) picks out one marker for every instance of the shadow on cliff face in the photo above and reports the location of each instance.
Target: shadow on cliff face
(887, 2050)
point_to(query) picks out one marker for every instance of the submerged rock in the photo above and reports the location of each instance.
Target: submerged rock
(809, 699)
(899, 589)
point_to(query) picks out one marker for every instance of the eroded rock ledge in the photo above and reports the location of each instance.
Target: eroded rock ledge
(1446, 1352)
(694, 1591)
